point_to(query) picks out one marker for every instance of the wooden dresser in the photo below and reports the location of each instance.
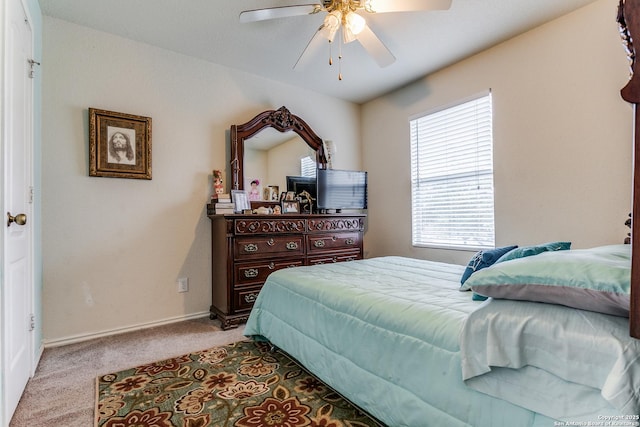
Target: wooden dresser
(247, 248)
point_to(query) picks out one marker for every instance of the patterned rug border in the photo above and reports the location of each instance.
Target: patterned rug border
(267, 350)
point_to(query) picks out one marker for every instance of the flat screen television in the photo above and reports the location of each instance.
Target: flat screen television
(341, 189)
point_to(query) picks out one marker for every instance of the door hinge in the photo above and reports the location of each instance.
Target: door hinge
(31, 195)
(32, 322)
(32, 72)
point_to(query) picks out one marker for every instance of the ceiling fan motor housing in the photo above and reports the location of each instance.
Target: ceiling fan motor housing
(344, 5)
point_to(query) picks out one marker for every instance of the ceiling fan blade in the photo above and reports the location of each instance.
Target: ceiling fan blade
(374, 46)
(315, 44)
(279, 12)
(382, 6)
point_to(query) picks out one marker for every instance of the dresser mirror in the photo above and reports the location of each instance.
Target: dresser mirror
(249, 141)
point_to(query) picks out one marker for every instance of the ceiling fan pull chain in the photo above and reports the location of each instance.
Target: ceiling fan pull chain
(330, 56)
(340, 61)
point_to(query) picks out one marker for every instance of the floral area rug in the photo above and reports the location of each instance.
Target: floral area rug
(244, 384)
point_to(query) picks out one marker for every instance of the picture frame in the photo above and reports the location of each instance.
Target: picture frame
(290, 207)
(119, 145)
(240, 199)
(290, 195)
(253, 188)
(271, 193)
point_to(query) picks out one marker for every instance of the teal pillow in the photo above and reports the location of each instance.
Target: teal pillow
(482, 259)
(596, 279)
(526, 251)
(478, 297)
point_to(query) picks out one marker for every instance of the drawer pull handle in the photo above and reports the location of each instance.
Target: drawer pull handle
(250, 298)
(349, 241)
(271, 266)
(319, 243)
(251, 273)
(335, 259)
(251, 247)
(270, 242)
(292, 246)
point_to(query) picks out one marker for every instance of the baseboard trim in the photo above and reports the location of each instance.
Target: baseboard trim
(86, 337)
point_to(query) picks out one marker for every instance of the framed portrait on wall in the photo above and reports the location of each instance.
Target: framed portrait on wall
(119, 145)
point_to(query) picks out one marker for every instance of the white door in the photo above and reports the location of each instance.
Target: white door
(18, 252)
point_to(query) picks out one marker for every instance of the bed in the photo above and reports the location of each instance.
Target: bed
(397, 337)
(545, 337)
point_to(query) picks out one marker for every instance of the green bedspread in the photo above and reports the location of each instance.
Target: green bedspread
(384, 332)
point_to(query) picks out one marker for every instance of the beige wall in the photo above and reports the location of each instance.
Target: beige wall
(562, 138)
(113, 248)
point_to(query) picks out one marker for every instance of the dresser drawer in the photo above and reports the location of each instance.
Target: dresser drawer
(333, 242)
(261, 246)
(244, 298)
(257, 271)
(333, 258)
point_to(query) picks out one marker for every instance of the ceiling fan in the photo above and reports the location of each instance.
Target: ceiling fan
(346, 15)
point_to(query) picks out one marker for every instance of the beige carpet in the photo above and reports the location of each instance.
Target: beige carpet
(62, 392)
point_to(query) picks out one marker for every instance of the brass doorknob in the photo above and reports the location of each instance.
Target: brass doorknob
(20, 219)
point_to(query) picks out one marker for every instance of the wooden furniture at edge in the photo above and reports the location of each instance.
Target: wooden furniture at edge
(629, 24)
(247, 248)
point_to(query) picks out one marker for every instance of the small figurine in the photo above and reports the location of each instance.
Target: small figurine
(218, 188)
(307, 201)
(254, 193)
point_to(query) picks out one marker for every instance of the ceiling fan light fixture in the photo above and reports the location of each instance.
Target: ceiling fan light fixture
(353, 25)
(331, 24)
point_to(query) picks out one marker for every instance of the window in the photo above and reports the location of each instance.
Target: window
(308, 167)
(452, 176)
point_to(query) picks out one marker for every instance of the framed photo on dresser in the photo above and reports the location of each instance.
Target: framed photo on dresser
(290, 207)
(240, 199)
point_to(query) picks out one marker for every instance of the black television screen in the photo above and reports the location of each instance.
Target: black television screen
(299, 184)
(341, 189)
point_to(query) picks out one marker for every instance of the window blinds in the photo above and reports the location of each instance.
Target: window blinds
(452, 176)
(308, 167)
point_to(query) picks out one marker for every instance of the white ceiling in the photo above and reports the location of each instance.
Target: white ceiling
(422, 42)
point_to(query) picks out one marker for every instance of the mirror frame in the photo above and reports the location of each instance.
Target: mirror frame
(281, 120)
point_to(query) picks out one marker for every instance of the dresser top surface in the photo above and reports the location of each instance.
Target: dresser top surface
(289, 216)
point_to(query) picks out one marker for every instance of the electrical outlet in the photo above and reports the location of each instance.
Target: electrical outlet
(183, 284)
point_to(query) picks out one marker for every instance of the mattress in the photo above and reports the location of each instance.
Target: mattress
(383, 332)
